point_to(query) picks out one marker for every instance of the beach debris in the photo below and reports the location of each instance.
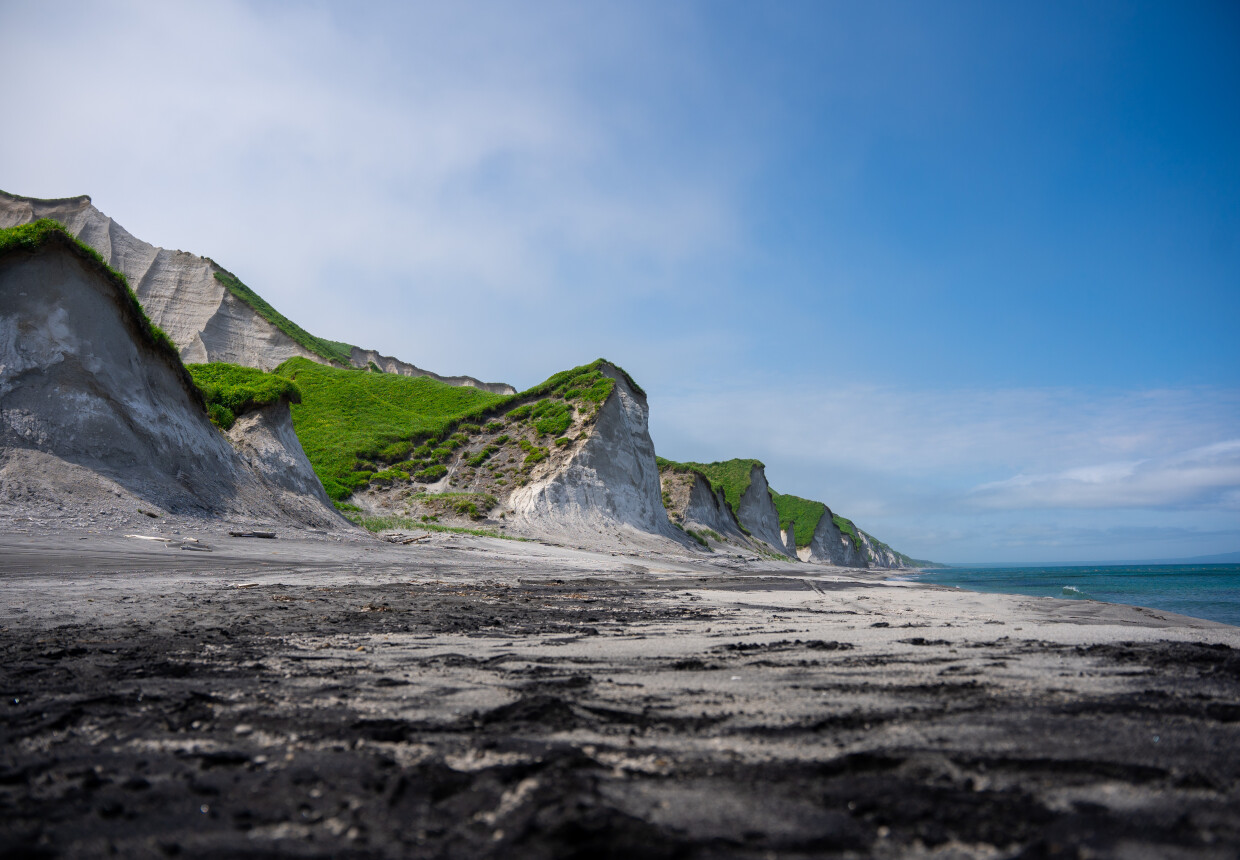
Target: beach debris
(248, 585)
(182, 542)
(267, 535)
(404, 539)
(150, 514)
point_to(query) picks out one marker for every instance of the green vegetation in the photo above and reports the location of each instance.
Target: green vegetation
(482, 456)
(533, 453)
(349, 415)
(330, 350)
(697, 537)
(231, 390)
(355, 425)
(431, 474)
(472, 505)
(551, 417)
(731, 476)
(804, 512)
(33, 236)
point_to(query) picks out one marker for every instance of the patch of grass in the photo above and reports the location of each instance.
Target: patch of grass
(551, 417)
(533, 453)
(472, 505)
(346, 413)
(697, 537)
(431, 474)
(804, 512)
(330, 350)
(482, 456)
(231, 390)
(33, 236)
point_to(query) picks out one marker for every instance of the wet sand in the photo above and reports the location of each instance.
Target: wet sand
(470, 697)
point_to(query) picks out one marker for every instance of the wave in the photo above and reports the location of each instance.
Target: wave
(1072, 591)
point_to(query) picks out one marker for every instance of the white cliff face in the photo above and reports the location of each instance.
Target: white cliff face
(84, 391)
(181, 295)
(266, 440)
(366, 357)
(178, 291)
(707, 508)
(790, 540)
(880, 556)
(757, 513)
(611, 482)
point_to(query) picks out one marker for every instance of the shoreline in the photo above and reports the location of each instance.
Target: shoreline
(474, 697)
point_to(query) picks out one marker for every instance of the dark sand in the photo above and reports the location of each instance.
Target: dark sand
(483, 698)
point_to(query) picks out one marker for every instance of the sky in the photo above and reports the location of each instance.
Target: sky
(968, 272)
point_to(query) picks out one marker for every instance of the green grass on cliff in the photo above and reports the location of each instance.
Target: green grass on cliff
(805, 513)
(231, 390)
(731, 476)
(354, 424)
(329, 350)
(33, 236)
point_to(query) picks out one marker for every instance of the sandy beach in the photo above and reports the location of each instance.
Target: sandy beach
(474, 697)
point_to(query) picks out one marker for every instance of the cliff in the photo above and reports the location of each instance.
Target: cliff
(207, 311)
(96, 409)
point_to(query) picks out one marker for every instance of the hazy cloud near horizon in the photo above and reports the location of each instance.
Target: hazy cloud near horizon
(965, 272)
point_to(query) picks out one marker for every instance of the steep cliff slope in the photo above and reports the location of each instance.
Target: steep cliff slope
(743, 484)
(700, 508)
(96, 409)
(207, 311)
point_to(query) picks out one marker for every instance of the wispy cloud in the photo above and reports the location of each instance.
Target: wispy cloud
(1204, 476)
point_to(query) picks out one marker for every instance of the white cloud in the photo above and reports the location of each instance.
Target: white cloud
(1207, 475)
(481, 150)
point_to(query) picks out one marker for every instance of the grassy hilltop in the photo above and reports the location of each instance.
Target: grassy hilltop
(358, 426)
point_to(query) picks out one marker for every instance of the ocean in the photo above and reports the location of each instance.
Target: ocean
(1209, 591)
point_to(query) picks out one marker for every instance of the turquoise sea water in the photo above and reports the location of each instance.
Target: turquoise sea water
(1202, 590)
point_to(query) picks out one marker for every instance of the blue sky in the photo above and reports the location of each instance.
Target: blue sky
(967, 272)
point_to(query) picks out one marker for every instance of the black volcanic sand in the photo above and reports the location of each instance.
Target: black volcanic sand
(435, 702)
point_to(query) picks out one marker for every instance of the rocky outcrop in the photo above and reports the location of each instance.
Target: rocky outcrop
(266, 440)
(181, 294)
(756, 512)
(694, 504)
(610, 481)
(94, 405)
(829, 545)
(366, 357)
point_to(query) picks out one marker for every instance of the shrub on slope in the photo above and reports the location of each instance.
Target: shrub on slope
(231, 390)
